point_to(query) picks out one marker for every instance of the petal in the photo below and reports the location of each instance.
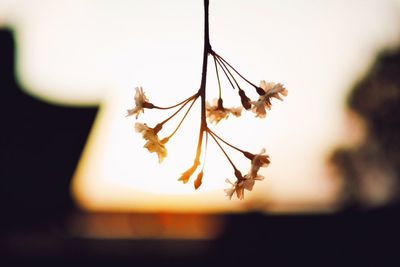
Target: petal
(228, 181)
(240, 192)
(131, 112)
(263, 84)
(140, 127)
(259, 178)
(229, 192)
(248, 184)
(161, 153)
(236, 111)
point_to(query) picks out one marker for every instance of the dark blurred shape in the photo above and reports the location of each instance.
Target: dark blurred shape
(155, 225)
(253, 239)
(371, 170)
(40, 147)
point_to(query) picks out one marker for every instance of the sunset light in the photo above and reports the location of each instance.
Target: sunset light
(301, 44)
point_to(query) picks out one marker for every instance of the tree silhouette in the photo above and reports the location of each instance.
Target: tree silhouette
(371, 170)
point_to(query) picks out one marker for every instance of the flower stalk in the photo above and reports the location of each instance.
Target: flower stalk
(214, 113)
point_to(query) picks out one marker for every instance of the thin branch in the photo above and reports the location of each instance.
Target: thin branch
(235, 70)
(180, 103)
(227, 72)
(202, 90)
(173, 115)
(184, 116)
(226, 155)
(205, 152)
(232, 146)
(219, 82)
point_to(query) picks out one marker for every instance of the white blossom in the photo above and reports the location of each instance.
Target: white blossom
(247, 182)
(264, 101)
(140, 100)
(258, 161)
(153, 143)
(216, 113)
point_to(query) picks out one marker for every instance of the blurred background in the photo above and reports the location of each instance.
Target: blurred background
(78, 188)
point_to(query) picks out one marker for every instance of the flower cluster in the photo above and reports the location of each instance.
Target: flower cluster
(215, 113)
(266, 92)
(247, 181)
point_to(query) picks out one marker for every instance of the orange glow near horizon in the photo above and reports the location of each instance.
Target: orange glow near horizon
(307, 46)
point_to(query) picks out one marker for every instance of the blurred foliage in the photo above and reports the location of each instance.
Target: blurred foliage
(370, 170)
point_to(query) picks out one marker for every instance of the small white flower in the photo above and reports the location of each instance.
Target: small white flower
(259, 108)
(231, 190)
(216, 113)
(235, 187)
(247, 182)
(140, 100)
(264, 101)
(258, 161)
(153, 143)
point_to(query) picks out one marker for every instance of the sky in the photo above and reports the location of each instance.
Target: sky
(86, 53)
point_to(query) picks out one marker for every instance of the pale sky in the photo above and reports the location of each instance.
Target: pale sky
(95, 52)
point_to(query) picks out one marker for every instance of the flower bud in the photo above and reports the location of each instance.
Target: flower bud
(220, 106)
(260, 91)
(244, 99)
(198, 180)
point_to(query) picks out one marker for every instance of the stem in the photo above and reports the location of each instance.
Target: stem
(225, 69)
(184, 116)
(202, 90)
(205, 152)
(226, 74)
(219, 83)
(159, 125)
(226, 143)
(226, 155)
(180, 103)
(235, 70)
